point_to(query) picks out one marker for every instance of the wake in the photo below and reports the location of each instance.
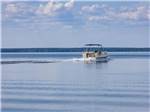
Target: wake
(34, 61)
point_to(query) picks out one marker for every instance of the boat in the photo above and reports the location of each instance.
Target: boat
(95, 52)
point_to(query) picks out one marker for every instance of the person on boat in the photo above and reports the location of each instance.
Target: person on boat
(87, 55)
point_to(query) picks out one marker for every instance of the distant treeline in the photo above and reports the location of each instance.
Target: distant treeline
(109, 49)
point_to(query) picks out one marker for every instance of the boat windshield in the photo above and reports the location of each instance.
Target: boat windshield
(93, 47)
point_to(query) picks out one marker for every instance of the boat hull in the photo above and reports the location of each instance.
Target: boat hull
(92, 56)
(101, 59)
(97, 59)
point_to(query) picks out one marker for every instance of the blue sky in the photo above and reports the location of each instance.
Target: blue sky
(73, 23)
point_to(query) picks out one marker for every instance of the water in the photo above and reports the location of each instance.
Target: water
(63, 82)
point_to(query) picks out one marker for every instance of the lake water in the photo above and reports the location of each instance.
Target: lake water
(63, 82)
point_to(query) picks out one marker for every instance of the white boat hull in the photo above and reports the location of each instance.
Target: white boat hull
(99, 58)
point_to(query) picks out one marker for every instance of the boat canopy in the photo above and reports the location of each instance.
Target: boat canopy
(93, 45)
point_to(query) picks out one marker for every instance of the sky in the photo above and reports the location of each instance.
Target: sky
(71, 23)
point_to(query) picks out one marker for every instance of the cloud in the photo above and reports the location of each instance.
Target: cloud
(148, 14)
(98, 18)
(67, 13)
(16, 9)
(69, 4)
(140, 12)
(39, 15)
(11, 8)
(102, 12)
(95, 12)
(53, 8)
(93, 8)
(49, 9)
